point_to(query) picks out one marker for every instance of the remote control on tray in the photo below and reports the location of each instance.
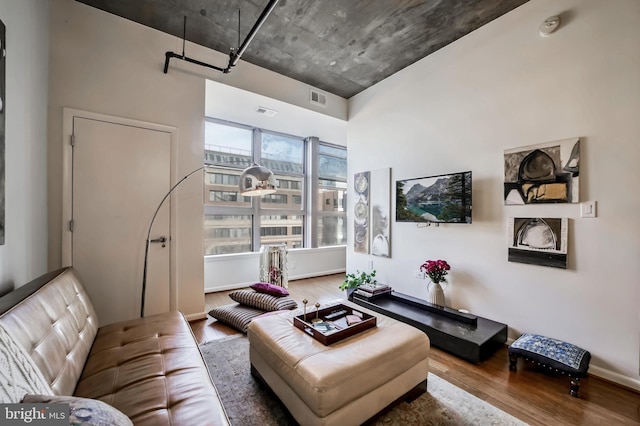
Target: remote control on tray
(336, 314)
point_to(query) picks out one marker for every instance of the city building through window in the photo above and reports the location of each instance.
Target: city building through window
(309, 208)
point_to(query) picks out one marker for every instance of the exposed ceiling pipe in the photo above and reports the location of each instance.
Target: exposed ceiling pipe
(234, 56)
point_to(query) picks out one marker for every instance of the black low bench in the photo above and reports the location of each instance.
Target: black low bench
(552, 354)
(464, 335)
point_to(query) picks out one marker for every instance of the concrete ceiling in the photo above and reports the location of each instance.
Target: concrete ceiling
(339, 46)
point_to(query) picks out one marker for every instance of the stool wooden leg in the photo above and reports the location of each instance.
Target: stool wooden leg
(575, 386)
(513, 362)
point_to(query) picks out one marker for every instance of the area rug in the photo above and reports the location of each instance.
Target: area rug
(249, 402)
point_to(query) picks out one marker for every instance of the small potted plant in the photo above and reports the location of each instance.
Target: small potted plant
(353, 281)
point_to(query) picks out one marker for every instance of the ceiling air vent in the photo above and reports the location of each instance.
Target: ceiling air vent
(266, 111)
(318, 98)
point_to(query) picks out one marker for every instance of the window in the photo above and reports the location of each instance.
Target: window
(235, 224)
(288, 184)
(279, 229)
(275, 198)
(331, 225)
(273, 230)
(223, 179)
(227, 234)
(223, 196)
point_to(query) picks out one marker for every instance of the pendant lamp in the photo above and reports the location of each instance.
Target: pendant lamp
(257, 180)
(254, 181)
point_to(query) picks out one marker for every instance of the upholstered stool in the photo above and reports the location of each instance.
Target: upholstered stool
(346, 382)
(552, 354)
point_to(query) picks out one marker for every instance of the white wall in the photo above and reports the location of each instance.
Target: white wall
(230, 103)
(500, 87)
(106, 64)
(24, 254)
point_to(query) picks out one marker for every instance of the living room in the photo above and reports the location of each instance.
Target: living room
(501, 87)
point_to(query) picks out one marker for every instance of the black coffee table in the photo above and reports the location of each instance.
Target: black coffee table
(468, 336)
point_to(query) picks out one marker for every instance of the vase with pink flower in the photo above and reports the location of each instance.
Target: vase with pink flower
(437, 271)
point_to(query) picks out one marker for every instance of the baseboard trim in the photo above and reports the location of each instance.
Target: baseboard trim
(316, 274)
(618, 379)
(228, 287)
(291, 278)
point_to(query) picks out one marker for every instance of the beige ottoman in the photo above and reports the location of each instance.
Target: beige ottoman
(345, 383)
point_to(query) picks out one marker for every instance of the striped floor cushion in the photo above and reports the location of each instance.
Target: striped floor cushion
(236, 315)
(267, 302)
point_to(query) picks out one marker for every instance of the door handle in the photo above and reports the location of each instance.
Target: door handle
(162, 240)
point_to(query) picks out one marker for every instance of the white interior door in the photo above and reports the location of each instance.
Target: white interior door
(120, 173)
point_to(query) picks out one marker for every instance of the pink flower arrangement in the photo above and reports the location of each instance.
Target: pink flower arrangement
(436, 270)
(274, 274)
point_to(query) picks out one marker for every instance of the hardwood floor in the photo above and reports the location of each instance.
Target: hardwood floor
(531, 396)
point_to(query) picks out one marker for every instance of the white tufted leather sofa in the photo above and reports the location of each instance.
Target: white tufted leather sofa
(150, 369)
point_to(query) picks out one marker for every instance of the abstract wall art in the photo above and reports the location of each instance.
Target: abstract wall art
(361, 212)
(380, 197)
(538, 241)
(544, 173)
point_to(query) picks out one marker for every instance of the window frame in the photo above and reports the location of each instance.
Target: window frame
(317, 213)
(309, 178)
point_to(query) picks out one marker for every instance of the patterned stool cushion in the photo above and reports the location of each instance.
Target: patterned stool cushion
(553, 353)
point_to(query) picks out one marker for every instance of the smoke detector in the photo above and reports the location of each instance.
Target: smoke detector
(549, 26)
(266, 111)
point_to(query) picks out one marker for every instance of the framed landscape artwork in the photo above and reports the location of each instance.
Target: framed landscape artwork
(538, 241)
(544, 173)
(435, 199)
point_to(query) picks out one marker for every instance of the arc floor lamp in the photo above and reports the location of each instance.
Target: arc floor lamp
(255, 181)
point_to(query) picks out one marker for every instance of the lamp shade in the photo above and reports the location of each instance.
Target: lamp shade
(256, 181)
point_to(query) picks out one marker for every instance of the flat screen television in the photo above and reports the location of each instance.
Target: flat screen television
(437, 199)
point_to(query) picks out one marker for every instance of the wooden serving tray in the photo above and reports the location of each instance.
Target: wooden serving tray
(332, 325)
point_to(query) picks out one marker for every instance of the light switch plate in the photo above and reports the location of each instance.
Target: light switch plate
(588, 209)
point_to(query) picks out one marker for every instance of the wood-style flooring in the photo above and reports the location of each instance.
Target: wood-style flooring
(531, 396)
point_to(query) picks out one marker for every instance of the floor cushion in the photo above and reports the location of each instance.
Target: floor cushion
(236, 315)
(268, 288)
(266, 302)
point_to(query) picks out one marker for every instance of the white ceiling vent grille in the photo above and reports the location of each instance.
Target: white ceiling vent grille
(266, 111)
(317, 98)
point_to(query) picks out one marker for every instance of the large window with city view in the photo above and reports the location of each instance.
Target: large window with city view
(308, 209)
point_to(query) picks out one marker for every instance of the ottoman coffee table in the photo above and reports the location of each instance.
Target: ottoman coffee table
(344, 383)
